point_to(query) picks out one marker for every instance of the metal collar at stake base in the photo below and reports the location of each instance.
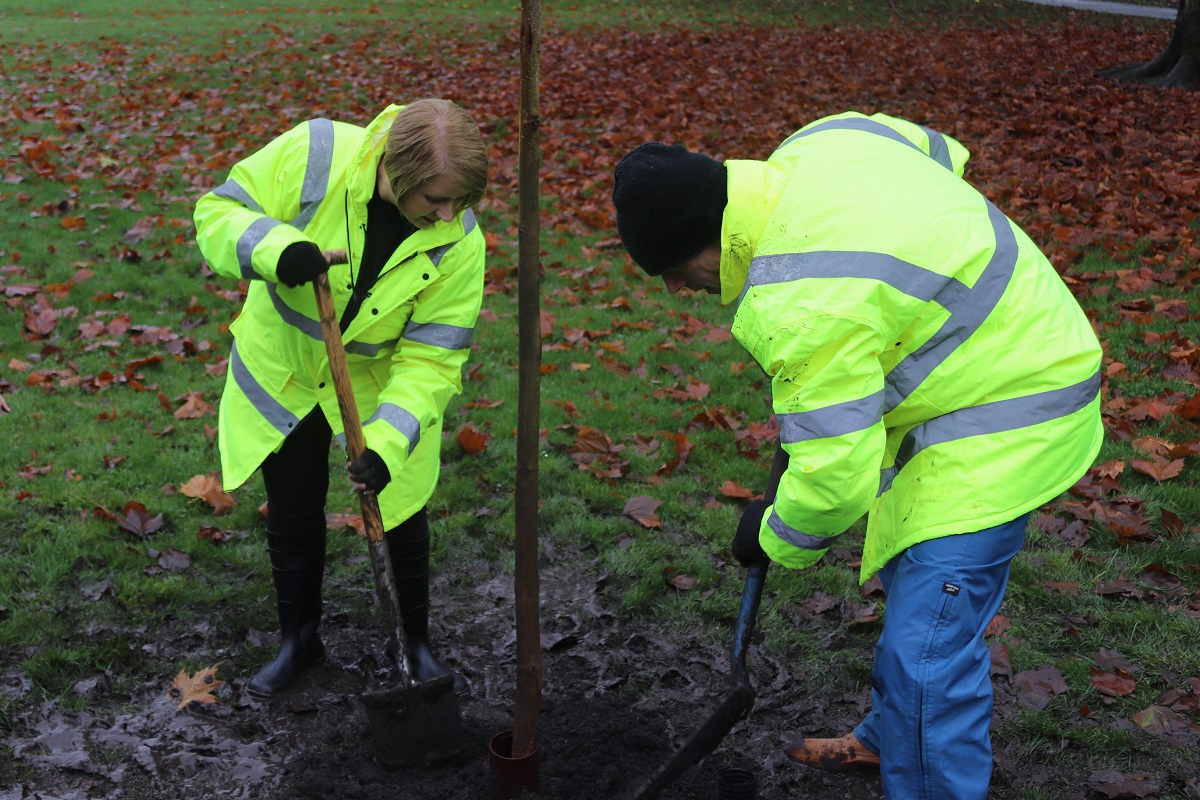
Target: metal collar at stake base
(511, 775)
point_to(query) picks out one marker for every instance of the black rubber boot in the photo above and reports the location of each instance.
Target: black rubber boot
(297, 564)
(408, 546)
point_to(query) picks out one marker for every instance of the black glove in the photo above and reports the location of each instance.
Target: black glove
(746, 548)
(299, 263)
(370, 471)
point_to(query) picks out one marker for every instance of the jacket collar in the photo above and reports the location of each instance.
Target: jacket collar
(366, 158)
(754, 191)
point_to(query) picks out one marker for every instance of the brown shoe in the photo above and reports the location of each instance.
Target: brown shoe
(845, 754)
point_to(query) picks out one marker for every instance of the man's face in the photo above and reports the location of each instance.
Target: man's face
(700, 273)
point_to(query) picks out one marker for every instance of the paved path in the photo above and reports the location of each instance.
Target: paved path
(1103, 6)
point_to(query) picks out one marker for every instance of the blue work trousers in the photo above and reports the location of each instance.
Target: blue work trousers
(931, 699)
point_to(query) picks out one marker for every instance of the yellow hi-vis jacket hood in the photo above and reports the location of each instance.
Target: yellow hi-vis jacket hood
(405, 347)
(927, 364)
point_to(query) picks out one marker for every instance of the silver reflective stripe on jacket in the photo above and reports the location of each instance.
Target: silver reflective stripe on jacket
(232, 190)
(451, 337)
(939, 151)
(965, 317)
(369, 349)
(280, 418)
(290, 316)
(437, 334)
(990, 418)
(316, 171)
(312, 328)
(924, 284)
(316, 181)
(255, 233)
(798, 538)
(838, 419)
(851, 124)
(968, 306)
(438, 253)
(400, 419)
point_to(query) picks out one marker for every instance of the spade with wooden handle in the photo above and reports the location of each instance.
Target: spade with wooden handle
(413, 722)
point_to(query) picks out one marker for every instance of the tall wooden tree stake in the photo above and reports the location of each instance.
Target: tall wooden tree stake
(529, 645)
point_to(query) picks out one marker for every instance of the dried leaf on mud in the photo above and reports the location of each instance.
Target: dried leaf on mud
(1114, 784)
(197, 688)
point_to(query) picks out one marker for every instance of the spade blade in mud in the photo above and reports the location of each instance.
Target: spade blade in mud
(415, 725)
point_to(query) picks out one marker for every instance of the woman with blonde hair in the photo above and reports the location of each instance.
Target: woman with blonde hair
(396, 196)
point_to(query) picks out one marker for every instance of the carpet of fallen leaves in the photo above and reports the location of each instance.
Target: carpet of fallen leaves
(1082, 163)
(1078, 160)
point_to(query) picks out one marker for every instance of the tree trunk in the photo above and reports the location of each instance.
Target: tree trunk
(1179, 63)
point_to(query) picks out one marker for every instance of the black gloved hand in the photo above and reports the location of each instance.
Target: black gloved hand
(746, 548)
(299, 263)
(368, 473)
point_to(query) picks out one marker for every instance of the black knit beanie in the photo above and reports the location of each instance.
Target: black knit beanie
(669, 204)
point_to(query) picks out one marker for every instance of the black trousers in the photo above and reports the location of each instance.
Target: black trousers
(297, 478)
(297, 481)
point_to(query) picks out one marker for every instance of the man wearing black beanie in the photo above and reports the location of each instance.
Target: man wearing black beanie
(928, 368)
(658, 176)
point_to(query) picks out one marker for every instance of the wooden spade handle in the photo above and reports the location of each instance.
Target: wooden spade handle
(356, 442)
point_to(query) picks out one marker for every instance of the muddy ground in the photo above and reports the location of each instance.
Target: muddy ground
(619, 698)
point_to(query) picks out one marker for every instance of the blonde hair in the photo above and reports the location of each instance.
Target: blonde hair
(433, 137)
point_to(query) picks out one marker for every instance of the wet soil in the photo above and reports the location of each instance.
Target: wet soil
(619, 699)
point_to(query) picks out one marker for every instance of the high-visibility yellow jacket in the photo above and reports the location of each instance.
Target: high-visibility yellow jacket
(927, 364)
(405, 347)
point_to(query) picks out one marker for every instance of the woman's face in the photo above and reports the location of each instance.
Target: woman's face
(430, 202)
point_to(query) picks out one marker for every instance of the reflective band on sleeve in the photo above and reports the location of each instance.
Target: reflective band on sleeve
(939, 151)
(232, 190)
(468, 221)
(316, 172)
(912, 280)
(835, 420)
(965, 318)
(280, 418)
(991, 418)
(435, 334)
(369, 349)
(249, 240)
(805, 541)
(399, 419)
